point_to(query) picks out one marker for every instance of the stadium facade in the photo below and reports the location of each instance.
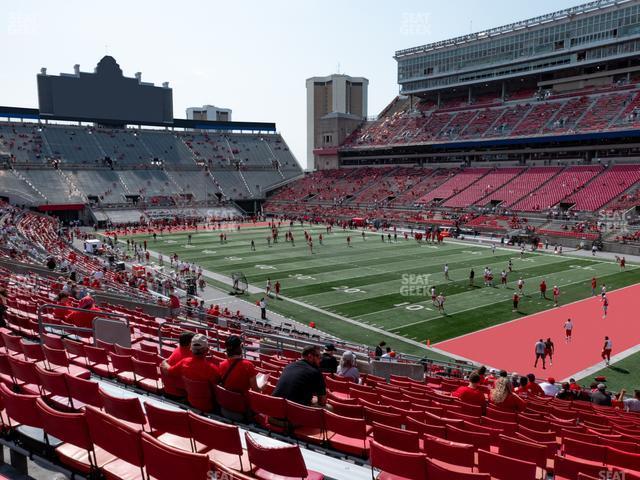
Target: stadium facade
(105, 147)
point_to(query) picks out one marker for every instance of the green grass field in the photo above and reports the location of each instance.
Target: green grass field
(368, 281)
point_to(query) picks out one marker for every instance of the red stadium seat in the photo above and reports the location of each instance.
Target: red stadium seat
(397, 438)
(505, 468)
(396, 463)
(348, 435)
(271, 462)
(163, 462)
(306, 423)
(222, 442)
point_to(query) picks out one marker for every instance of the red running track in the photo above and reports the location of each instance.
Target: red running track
(510, 346)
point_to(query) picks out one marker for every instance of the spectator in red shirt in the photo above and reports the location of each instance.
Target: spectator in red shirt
(85, 318)
(237, 374)
(471, 393)
(502, 396)
(532, 387)
(197, 367)
(183, 351)
(174, 304)
(63, 300)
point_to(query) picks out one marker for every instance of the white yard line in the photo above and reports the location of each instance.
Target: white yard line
(600, 365)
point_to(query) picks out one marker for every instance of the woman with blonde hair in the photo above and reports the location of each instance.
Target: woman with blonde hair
(502, 396)
(348, 367)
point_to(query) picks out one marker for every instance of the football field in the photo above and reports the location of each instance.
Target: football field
(381, 285)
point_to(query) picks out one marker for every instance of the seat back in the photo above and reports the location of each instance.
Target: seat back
(346, 410)
(286, 461)
(199, 394)
(477, 439)
(303, 416)
(275, 407)
(455, 453)
(505, 468)
(32, 351)
(12, 343)
(349, 427)
(144, 369)
(397, 462)
(390, 419)
(75, 348)
(21, 408)
(397, 438)
(121, 363)
(620, 458)
(173, 384)
(215, 435)
(24, 371)
(585, 450)
(164, 462)
(231, 402)
(162, 420)
(116, 437)
(528, 451)
(52, 340)
(52, 382)
(85, 391)
(96, 354)
(567, 468)
(439, 472)
(127, 409)
(69, 427)
(56, 356)
(120, 350)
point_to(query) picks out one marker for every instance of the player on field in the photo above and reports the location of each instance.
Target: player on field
(556, 295)
(543, 289)
(521, 286)
(623, 262)
(253, 246)
(472, 274)
(277, 289)
(268, 287)
(493, 248)
(446, 271)
(603, 292)
(606, 350)
(605, 306)
(594, 284)
(320, 239)
(510, 265)
(568, 330)
(549, 348)
(516, 300)
(522, 251)
(433, 295)
(503, 278)
(310, 245)
(362, 234)
(441, 299)
(540, 349)
(349, 241)
(188, 240)
(269, 241)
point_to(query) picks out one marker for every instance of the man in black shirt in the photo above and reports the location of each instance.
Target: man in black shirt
(379, 351)
(329, 363)
(301, 380)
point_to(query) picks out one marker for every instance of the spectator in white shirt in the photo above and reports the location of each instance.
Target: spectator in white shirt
(630, 404)
(549, 387)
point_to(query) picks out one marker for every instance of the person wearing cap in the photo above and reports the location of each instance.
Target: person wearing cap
(182, 351)
(83, 319)
(301, 380)
(549, 387)
(197, 367)
(600, 396)
(472, 393)
(236, 373)
(329, 363)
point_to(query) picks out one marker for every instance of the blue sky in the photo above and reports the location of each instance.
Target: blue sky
(251, 56)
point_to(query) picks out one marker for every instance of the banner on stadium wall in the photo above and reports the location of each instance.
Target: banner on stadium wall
(63, 207)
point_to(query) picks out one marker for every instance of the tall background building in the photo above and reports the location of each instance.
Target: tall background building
(209, 112)
(336, 105)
